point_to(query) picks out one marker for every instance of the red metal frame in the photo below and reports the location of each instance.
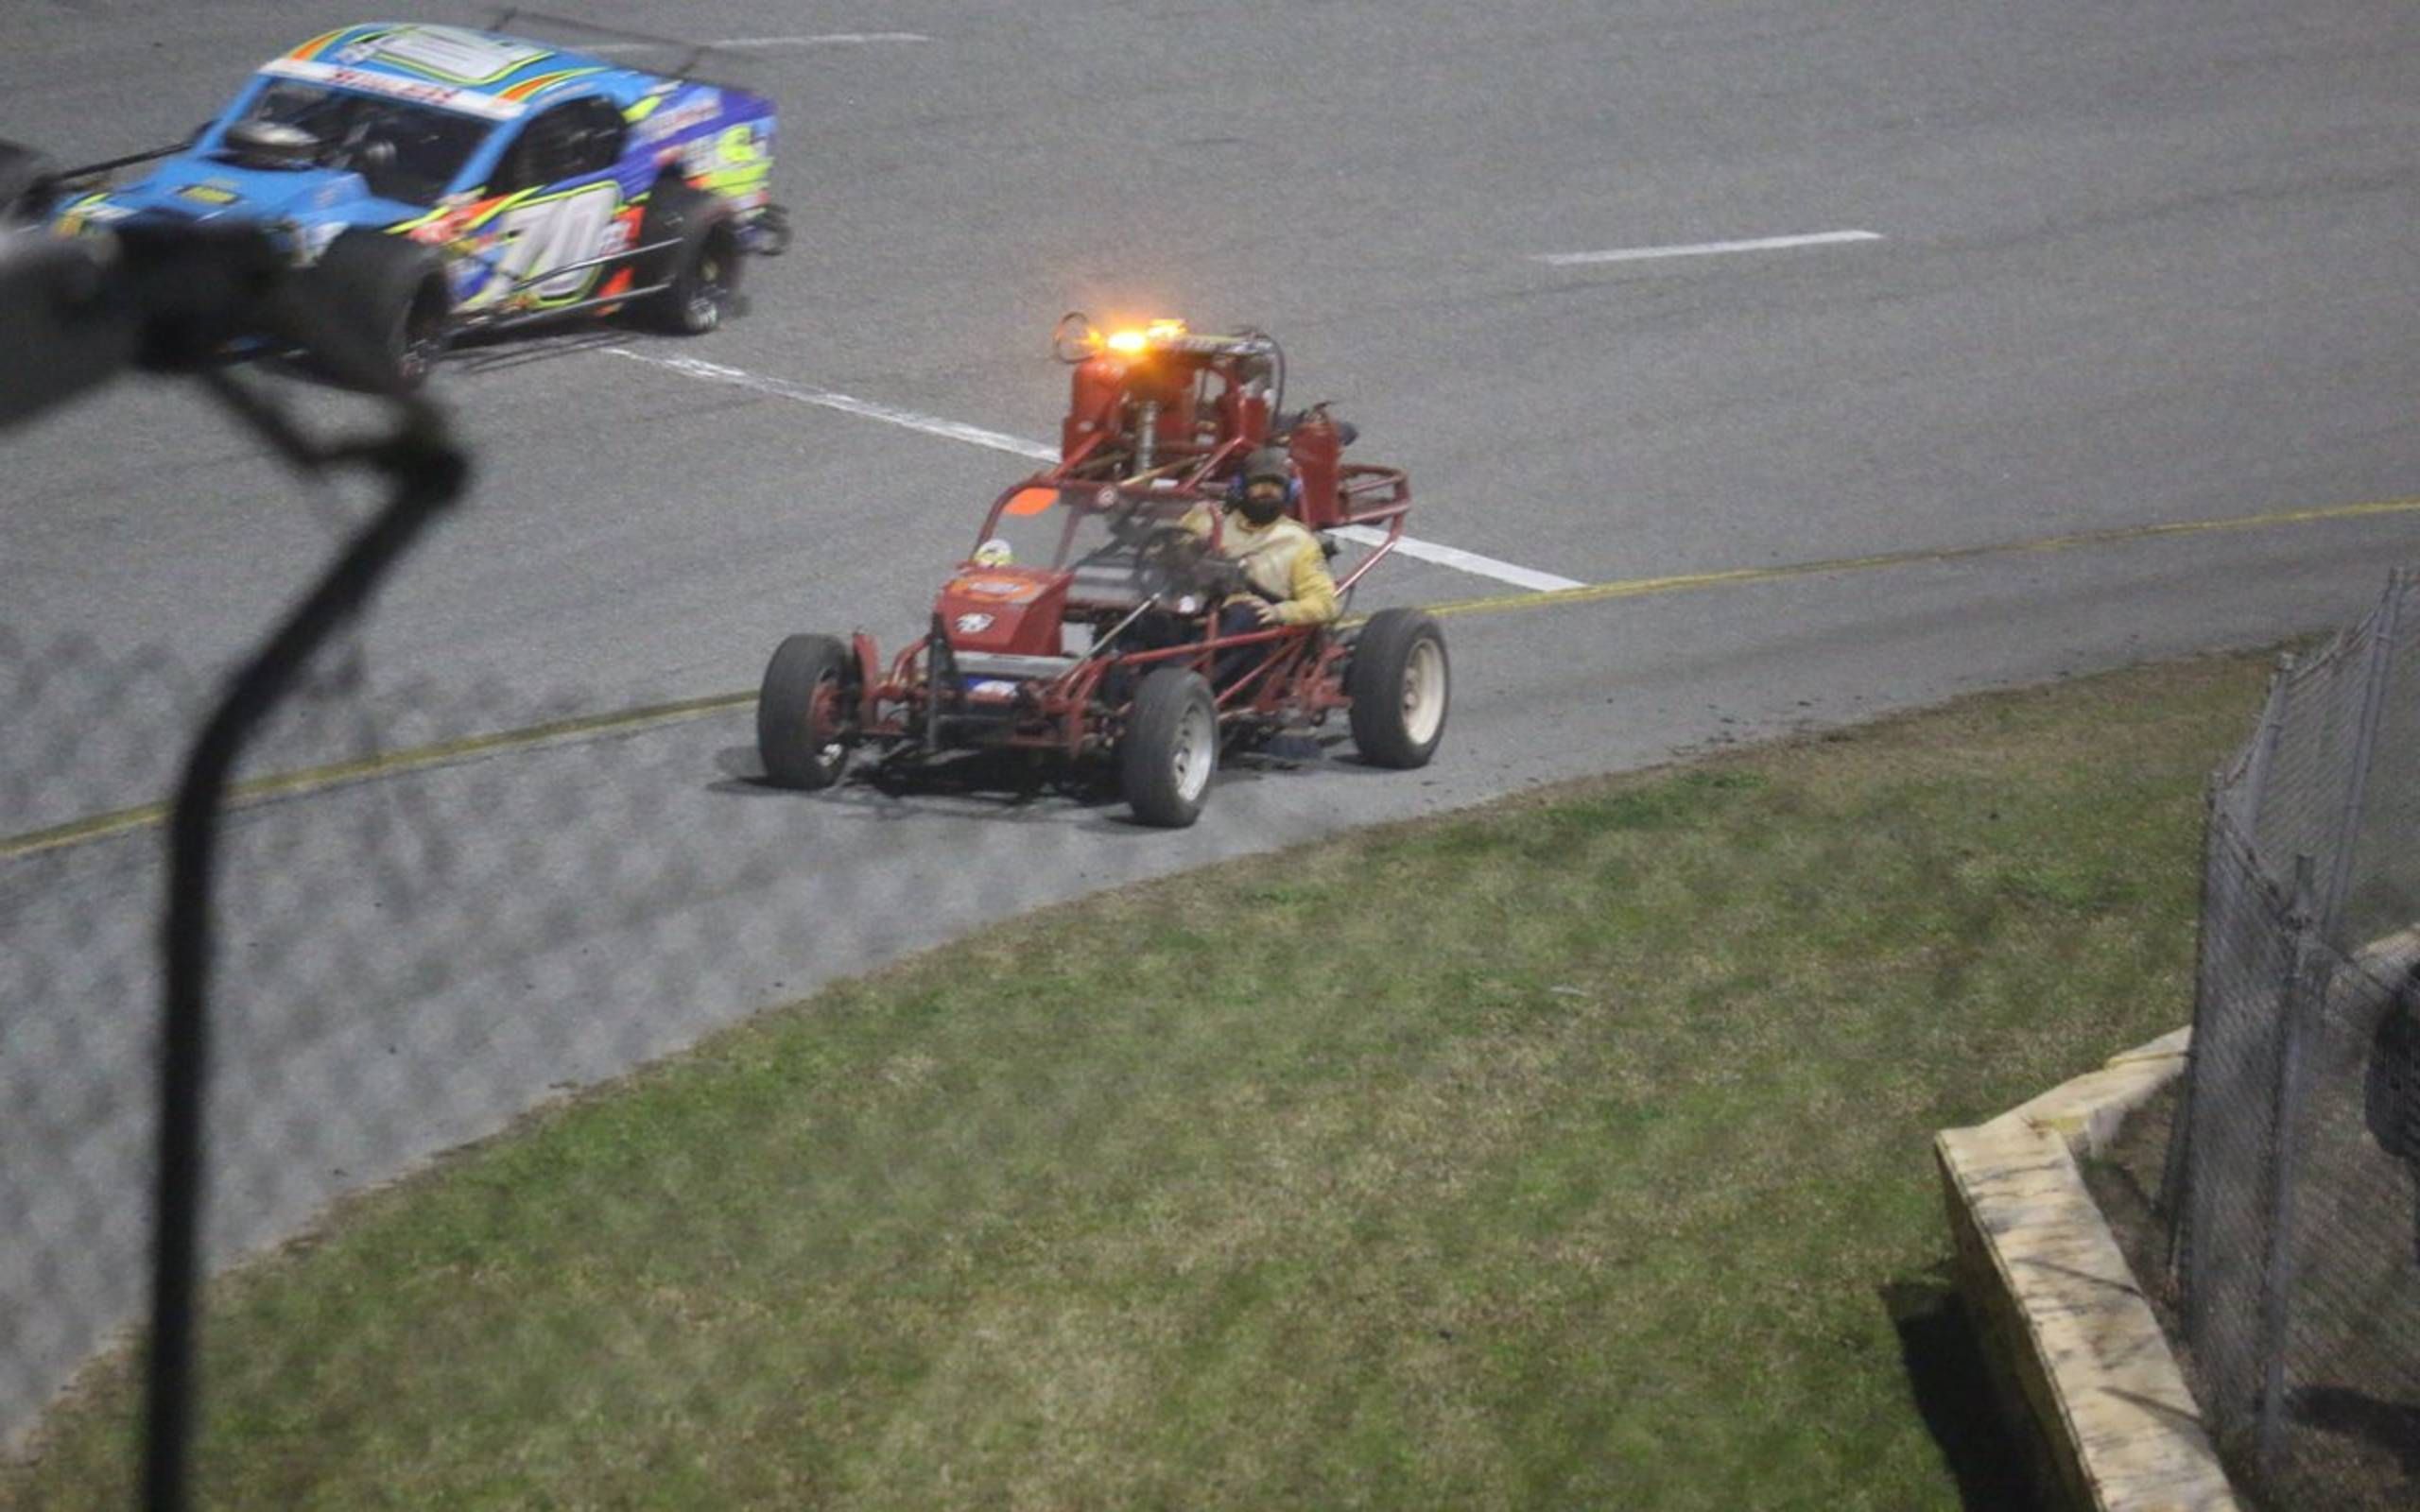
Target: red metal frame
(1191, 440)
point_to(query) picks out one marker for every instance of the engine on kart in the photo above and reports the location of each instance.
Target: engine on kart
(1159, 399)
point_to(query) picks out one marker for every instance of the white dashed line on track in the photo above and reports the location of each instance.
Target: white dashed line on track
(828, 39)
(1469, 561)
(715, 373)
(1760, 243)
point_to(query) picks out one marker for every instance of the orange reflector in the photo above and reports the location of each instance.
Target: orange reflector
(1031, 501)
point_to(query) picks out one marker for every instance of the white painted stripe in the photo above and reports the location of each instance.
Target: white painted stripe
(1469, 561)
(826, 39)
(846, 405)
(1760, 243)
(829, 39)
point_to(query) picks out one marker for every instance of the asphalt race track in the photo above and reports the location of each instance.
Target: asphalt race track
(2123, 266)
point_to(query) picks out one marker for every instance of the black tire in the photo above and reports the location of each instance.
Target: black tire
(1171, 748)
(388, 307)
(804, 712)
(1399, 680)
(702, 268)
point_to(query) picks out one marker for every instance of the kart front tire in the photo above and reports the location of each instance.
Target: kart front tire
(390, 306)
(802, 713)
(701, 268)
(1398, 680)
(1170, 750)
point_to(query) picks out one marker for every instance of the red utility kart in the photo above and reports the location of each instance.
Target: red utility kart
(1085, 625)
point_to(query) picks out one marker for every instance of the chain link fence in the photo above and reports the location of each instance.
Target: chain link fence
(425, 931)
(2292, 1190)
(406, 964)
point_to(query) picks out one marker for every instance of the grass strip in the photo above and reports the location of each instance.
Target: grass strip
(1561, 1152)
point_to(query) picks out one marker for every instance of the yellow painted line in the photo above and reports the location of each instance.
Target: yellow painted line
(316, 779)
(1643, 587)
(388, 764)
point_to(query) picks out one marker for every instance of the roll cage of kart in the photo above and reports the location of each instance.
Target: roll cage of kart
(1159, 424)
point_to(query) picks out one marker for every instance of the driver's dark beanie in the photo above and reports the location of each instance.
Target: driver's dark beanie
(1267, 462)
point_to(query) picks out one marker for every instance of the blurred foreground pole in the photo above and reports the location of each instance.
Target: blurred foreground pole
(428, 474)
(175, 297)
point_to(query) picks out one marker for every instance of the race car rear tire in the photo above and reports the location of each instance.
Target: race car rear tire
(1398, 680)
(802, 713)
(1170, 750)
(389, 304)
(700, 269)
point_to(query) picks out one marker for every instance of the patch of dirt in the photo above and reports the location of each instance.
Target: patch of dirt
(2125, 1182)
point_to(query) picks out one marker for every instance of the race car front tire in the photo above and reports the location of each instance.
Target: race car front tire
(700, 271)
(1398, 680)
(1170, 750)
(802, 713)
(387, 301)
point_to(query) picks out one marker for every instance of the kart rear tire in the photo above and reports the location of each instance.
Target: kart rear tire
(391, 307)
(802, 713)
(701, 268)
(1399, 680)
(1171, 748)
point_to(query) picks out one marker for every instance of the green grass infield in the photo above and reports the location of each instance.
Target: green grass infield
(1569, 1151)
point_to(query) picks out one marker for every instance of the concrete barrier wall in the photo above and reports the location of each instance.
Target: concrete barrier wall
(2075, 1353)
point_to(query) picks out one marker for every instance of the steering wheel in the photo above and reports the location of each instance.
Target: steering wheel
(1172, 549)
(1192, 565)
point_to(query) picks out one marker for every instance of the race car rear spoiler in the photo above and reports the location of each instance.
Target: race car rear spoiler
(536, 23)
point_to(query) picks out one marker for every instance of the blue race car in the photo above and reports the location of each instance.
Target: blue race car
(432, 180)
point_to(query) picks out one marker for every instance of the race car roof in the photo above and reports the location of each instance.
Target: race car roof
(483, 73)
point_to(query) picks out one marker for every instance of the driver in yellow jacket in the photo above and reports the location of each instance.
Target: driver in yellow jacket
(1281, 563)
(1279, 557)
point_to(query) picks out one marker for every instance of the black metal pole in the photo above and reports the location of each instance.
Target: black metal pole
(429, 474)
(2299, 1005)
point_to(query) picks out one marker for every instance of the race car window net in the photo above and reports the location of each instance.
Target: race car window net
(430, 147)
(572, 140)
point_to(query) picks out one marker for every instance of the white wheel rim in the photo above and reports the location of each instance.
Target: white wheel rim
(705, 303)
(1196, 753)
(419, 350)
(1423, 692)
